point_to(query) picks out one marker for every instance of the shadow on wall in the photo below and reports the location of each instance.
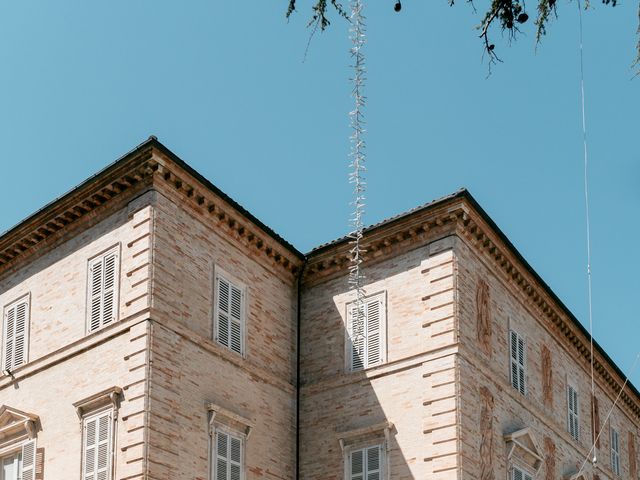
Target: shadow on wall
(358, 394)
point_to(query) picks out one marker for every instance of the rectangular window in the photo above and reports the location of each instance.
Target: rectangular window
(519, 474)
(19, 465)
(228, 457)
(518, 359)
(615, 451)
(366, 464)
(366, 329)
(103, 290)
(573, 413)
(15, 334)
(97, 446)
(229, 314)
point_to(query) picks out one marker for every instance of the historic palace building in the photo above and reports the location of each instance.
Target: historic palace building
(152, 328)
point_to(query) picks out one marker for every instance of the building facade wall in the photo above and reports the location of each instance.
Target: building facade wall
(491, 407)
(66, 364)
(413, 392)
(191, 369)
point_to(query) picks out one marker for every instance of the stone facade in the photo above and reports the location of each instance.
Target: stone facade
(440, 403)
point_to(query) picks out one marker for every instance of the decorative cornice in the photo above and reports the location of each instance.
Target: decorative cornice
(57, 218)
(225, 216)
(151, 165)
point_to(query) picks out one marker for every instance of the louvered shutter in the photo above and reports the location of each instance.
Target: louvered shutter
(230, 312)
(97, 447)
(357, 338)
(103, 290)
(357, 465)
(374, 463)
(374, 332)
(615, 452)
(517, 474)
(366, 463)
(573, 417)
(109, 289)
(517, 346)
(228, 457)
(16, 335)
(28, 469)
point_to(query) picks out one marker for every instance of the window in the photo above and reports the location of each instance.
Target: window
(229, 314)
(615, 451)
(366, 464)
(366, 330)
(15, 334)
(97, 446)
(519, 474)
(103, 290)
(518, 361)
(19, 465)
(573, 414)
(228, 457)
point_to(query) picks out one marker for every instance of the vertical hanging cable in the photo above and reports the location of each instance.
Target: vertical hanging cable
(357, 35)
(588, 227)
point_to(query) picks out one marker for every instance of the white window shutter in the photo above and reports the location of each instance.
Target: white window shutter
(103, 290)
(9, 333)
(16, 335)
(573, 413)
(97, 447)
(357, 465)
(228, 457)
(222, 462)
(28, 470)
(96, 278)
(230, 315)
(374, 467)
(109, 289)
(366, 463)
(374, 332)
(518, 361)
(235, 314)
(357, 338)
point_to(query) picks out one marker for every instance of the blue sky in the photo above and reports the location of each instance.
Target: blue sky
(223, 85)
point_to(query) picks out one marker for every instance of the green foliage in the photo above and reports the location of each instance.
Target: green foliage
(506, 14)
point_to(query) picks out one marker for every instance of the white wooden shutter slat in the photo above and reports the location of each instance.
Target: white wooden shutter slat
(228, 457)
(223, 312)
(109, 288)
(373, 463)
(374, 332)
(10, 326)
(97, 447)
(357, 338)
(517, 346)
(20, 341)
(28, 469)
(235, 314)
(357, 465)
(97, 279)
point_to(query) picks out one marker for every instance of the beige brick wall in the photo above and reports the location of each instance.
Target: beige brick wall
(414, 390)
(67, 365)
(190, 369)
(512, 411)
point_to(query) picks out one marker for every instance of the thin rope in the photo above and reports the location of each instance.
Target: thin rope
(357, 35)
(624, 385)
(588, 226)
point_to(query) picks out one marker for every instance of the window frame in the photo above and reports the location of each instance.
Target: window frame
(213, 452)
(573, 416)
(519, 366)
(26, 298)
(96, 414)
(115, 249)
(348, 347)
(233, 282)
(614, 452)
(364, 446)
